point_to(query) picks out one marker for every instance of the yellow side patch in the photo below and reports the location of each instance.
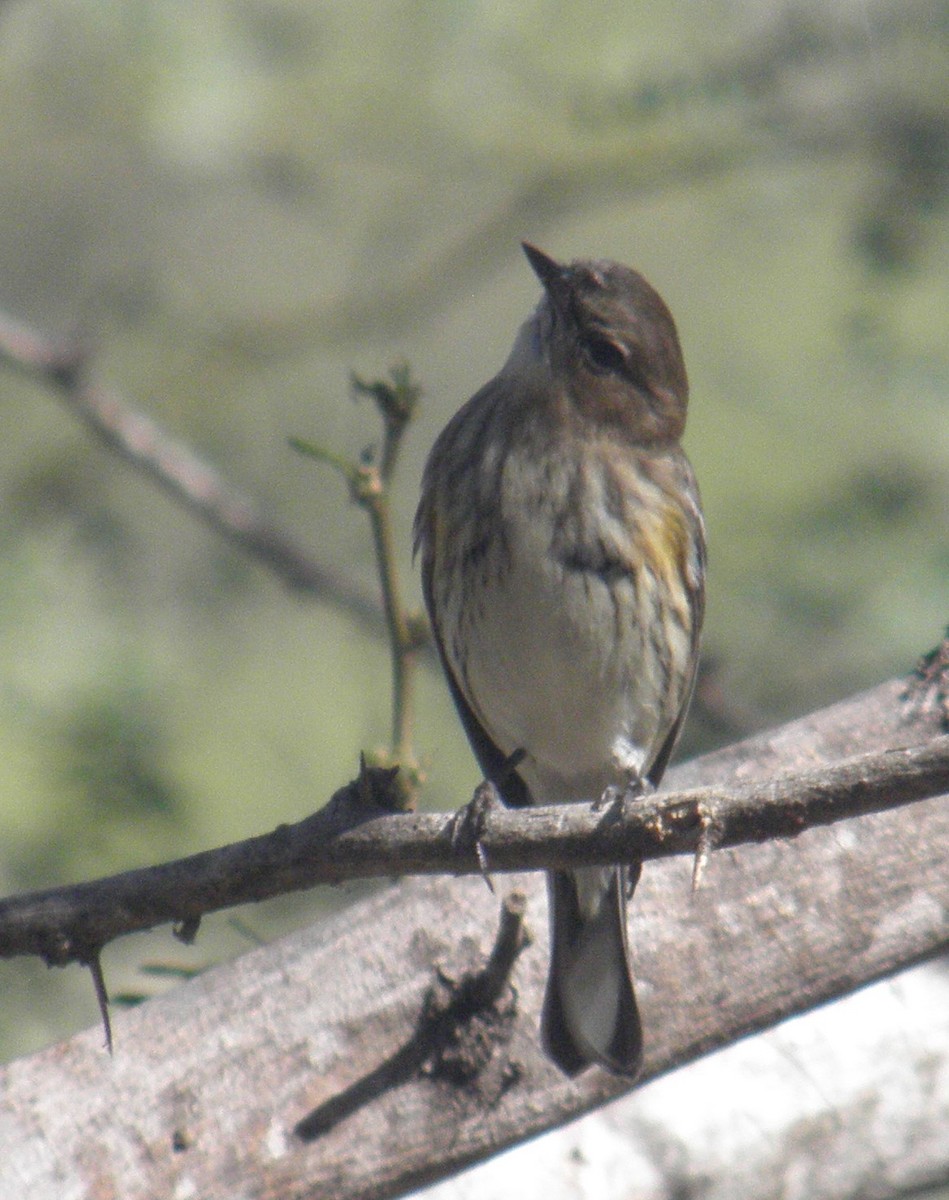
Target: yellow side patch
(666, 543)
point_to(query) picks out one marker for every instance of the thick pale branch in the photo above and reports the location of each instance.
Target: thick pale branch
(209, 1083)
(349, 840)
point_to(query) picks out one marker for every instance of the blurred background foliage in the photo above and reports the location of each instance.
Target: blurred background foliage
(237, 203)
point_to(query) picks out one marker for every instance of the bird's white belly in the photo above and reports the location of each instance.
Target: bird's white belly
(556, 667)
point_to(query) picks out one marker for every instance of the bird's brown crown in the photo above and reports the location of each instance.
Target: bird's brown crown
(611, 340)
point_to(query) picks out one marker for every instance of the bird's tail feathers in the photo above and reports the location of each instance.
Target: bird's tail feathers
(590, 1012)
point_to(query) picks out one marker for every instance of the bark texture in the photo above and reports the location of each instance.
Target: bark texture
(209, 1084)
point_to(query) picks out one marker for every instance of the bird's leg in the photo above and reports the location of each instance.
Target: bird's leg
(611, 800)
(468, 824)
(614, 796)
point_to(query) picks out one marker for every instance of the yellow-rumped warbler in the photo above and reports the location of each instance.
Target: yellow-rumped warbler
(563, 565)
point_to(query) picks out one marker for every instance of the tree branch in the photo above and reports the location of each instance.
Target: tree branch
(175, 467)
(209, 1082)
(851, 1100)
(349, 839)
(369, 481)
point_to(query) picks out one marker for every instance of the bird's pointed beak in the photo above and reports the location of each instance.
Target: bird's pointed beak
(551, 273)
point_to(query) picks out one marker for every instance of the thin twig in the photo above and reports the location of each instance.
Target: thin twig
(368, 480)
(511, 939)
(186, 477)
(347, 840)
(400, 637)
(396, 399)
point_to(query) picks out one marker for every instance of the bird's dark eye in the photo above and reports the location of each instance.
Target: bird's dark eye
(604, 355)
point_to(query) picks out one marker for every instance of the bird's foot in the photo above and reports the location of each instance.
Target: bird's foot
(613, 797)
(611, 800)
(467, 827)
(613, 803)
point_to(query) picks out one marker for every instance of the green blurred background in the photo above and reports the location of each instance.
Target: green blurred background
(237, 203)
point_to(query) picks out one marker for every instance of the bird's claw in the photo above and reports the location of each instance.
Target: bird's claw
(610, 800)
(613, 797)
(612, 803)
(468, 825)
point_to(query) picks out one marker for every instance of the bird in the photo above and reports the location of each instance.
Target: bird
(563, 557)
